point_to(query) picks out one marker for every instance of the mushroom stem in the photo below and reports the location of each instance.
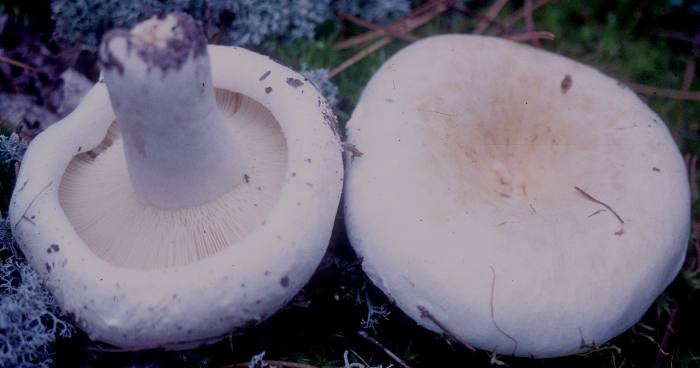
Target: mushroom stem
(178, 149)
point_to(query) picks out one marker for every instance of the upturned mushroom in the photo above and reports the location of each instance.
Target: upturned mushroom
(515, 200)
(191, 193)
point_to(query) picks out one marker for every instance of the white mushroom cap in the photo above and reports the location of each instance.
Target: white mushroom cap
(139, 276)
(478, 203)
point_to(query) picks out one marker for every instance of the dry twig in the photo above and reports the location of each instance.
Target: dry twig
(693, 39)
(473, 14)
(100, 349)
(424, 313)
(520, 14)
(493, 312)
(692, 163)
(592, 199)
(30, 205)
(386, 351)
(664, 92)
(491, 14)
(358, 358)
(532, 36)
(351, 149)
(19, 64)
(689, 74)
(376, 27)
(408, 24)
(397, 27)
(359, 56)
(665, 340)
(530, 21)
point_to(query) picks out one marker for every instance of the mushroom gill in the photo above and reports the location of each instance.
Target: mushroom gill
(98, 199)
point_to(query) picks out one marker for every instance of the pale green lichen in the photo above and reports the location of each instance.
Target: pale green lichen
(29, 316)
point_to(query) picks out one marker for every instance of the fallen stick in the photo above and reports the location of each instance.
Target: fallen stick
(410, 25)
(664, 92)
(386, 351)
(359, 56)
(19, 64)
(473, 14)
(689, 74)
(530, 21)
(491, 14)
(376, 27)
(529, 36)
(395, 27)
(520, 14)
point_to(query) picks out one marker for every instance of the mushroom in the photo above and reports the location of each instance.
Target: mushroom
(516, 200)
(185, 198)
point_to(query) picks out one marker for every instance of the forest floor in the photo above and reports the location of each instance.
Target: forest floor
(340, 319)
